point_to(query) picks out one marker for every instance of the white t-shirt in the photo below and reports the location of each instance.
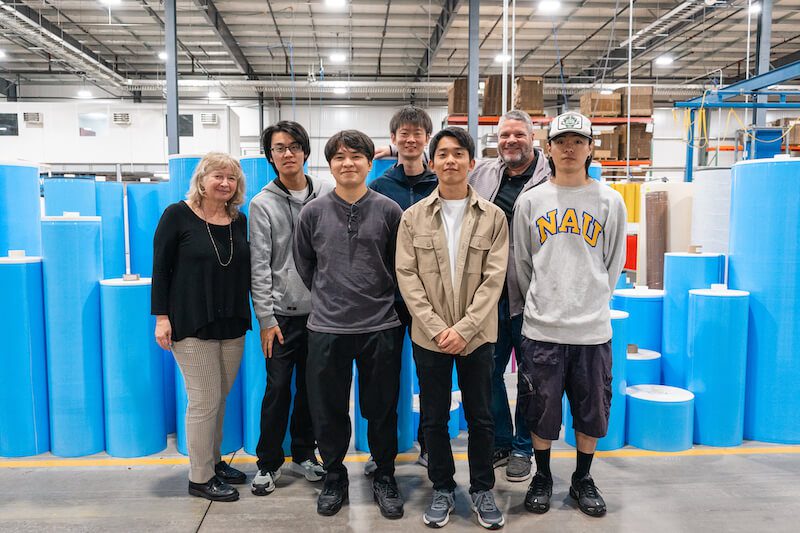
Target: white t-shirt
(302, 194)
(452, 217)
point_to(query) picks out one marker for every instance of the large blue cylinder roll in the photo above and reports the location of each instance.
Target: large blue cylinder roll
(72, 269)
(133, 373)
(645, 307)
(109, 198)
(231, 424)
(69, 195)
(717, 363)
(170, 416)
(379, 167)
(24, 424)
(764, 258)
(257, 173)
(643, 368)
(660, 418)
(181, 168)
(146, 202)
(615, 437)
(20, 224)
(682, 272)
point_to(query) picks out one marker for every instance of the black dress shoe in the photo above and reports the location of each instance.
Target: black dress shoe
(215, 490)
(333, 495)
(228, 474)
(387, 496)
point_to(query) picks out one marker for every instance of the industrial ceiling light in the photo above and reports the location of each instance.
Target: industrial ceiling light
(664, 61)
(335, 3)
(214, 95)
(338, 57)
(340, 90)
(84, 93)
(2, 54)
(110, 2)
(162, 56)
(549, 6)
(502, 58)
(755, 8)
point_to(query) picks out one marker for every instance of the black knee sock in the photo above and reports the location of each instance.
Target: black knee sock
(584, 464)
(543, 461)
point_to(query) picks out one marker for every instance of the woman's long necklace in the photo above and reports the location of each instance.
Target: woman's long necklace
(214, 244)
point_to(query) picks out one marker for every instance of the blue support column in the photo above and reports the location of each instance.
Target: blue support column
(690, 147)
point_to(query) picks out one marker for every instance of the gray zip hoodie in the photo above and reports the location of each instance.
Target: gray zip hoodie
(275, 286)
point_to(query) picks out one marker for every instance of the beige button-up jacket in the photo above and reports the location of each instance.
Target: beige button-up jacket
(435, 301)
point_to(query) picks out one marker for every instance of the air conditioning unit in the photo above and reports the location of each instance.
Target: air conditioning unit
(209, 119)
(32, 118)
(121, 119)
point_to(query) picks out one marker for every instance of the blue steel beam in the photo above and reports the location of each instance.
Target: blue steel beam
(756, 83)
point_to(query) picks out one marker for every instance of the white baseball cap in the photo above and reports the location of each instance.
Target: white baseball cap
(570, 122)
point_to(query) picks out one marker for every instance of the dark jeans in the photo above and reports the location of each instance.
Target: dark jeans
(286, 357)
(435, 371)
(329, 375)
(506, 436)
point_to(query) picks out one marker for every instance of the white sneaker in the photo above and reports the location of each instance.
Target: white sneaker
(264, 482)
(310, 469)
(370, 466)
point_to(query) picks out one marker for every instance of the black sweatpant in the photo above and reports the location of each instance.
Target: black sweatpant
(435, 370)
(329, 375)
(286, 357)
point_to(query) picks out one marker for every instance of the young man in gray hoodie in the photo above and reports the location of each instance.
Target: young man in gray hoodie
(282, 304)
(570, 250)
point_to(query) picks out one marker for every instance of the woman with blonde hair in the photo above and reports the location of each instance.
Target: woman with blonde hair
(201, 284)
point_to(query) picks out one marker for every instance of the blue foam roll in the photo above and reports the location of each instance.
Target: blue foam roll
(683, 272)
(73, 195)
(109, 198)
(717, 363)
(257, 172)
(146, 202)
(72, 269)
(169, 391)
(405, 421)
(764, 258)
(645, 307)
(133, 373)
(660, 418)
(20, 225)
(231, 424)
(24, 425)
(643, 368)
(181, 168)
(623, 282)
(615, 437)
(379, 167)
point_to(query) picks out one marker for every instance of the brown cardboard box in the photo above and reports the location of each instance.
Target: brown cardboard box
(457, 97)
(529, 95)
(793, 137)
(493, 95)
(540, 139)
(489, 151)
(641, 142)
(594, 104)
(641, 101)
(606, 145)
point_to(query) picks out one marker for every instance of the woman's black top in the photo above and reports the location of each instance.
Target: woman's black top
(202, 298)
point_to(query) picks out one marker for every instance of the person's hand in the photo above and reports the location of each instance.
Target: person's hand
(450, 342)
(163, 332)
(382, 152)
(268, 335)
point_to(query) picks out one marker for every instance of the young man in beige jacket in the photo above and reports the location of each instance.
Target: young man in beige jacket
(452, 254)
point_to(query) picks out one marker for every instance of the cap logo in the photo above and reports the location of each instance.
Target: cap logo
(568, 122)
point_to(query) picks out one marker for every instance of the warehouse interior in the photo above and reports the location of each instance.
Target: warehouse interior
(107, 106)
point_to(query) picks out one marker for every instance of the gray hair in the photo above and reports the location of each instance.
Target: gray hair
(517, 114)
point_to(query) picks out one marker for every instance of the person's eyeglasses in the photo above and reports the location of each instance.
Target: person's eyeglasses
(280, 149)
(352, 219)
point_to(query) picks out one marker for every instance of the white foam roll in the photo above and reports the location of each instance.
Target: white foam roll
(712, 209)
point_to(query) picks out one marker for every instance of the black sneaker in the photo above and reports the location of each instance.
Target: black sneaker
(333, 495)
(387, 496)
(588, 495)
(228, 474)
(215, 490)
(537, 499)
(500, 458)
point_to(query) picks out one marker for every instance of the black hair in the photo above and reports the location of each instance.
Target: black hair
(291, 128)
(586, 165)
(352, 139)
(413, 115)
(462, 137)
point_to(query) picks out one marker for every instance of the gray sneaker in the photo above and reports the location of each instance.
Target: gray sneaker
(370, 466)
(489, 516)
(310, 469)
(438, 513)
(264, 482)
(518, 468)
(423, 458)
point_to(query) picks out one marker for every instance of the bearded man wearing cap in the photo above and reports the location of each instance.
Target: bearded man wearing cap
(569, 236)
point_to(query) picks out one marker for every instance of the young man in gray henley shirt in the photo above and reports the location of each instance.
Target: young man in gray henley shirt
(344, 251)
(569, 238)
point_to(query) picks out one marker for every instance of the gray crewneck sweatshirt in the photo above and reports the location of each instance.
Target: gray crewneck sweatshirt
(569, 252)
(275, 286)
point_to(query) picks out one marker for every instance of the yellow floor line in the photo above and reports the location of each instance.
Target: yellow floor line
(401, 458)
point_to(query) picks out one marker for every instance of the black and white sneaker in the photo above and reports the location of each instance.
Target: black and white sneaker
(370, 466)
(310, 469)
(438, 513)
(484, 506)
(500, 458)
(588, 496)
(264, 482)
